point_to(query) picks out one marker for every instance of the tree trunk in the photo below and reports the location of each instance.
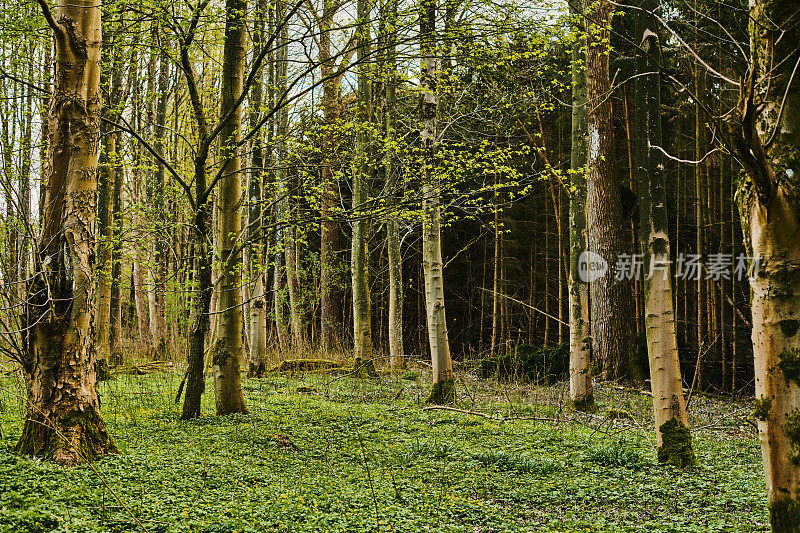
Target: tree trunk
(672, 431)
(63, 408)
(767, 139)
(443, 390)
(108, 163)
(580, 340)
(227, 350)
(393, 251)
(159, 326)
(256, 251)
(612, 339)
(359, 257)
(331, 298)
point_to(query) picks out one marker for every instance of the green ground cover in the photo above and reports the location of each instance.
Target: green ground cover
(361, 455)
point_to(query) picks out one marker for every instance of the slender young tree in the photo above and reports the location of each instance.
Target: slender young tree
(359, 257)
(112, 76)
(63, 408)
(227, 351)
(256, 251)
(393, 256)
(672, 431)
(580, 341)
(767, 140)
(443, 390)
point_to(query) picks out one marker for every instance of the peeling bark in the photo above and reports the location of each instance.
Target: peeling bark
(63, 421)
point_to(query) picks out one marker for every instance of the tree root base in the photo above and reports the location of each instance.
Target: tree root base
(585, 404)
(442, 392)
(676, 445)
(70, 439)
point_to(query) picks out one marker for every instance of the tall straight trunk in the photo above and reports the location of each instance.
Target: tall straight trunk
(672, 431)
(331, 297)
(139, 289)
(768, 144)
(159, 325)
(227, 351)
(44, 121)
(359, 257)
(443, 390)
(393, 255)
(292, 243)
(612, 338)
(107, 164)
(580, 340)
(700, 236)
(25, 189)
(115, 296)
(255, 216)
(63, 407)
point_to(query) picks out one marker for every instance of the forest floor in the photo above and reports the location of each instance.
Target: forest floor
(351, 454)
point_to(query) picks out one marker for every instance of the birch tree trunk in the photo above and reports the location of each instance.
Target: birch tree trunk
(443, 390)
(580, 340)
(227, 351)
(257, 268)
(767, 138)
(672, 431)
(63, 408)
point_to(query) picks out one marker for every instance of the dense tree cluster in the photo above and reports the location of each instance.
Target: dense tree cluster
(228, 185)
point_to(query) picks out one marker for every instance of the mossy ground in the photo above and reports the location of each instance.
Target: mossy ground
(306, 462)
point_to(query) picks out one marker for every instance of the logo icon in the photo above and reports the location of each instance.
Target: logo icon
(591, 266)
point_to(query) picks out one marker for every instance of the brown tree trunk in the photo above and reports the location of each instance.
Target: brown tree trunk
(227, 350)
(331, 297)
(612, 339)
(63, 408)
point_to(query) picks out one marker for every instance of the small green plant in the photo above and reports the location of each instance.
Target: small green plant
(517, 462)
(615, 453)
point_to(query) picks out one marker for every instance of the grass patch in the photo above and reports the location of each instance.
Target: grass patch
(312, 462)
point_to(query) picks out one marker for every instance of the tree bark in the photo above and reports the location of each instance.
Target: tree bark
(580, 340)
(359, 257)
(256, 251)
(767, 139)
(443, 390)
(227, 350)
(63, 408)
(393, 242)
(672, 431)
(612, 339)
(331, 297)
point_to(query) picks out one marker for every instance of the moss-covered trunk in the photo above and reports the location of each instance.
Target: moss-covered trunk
(766, 135)
(669, 406)
(63, 421)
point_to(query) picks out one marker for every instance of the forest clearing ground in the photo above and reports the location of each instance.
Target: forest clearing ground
(353, 454)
